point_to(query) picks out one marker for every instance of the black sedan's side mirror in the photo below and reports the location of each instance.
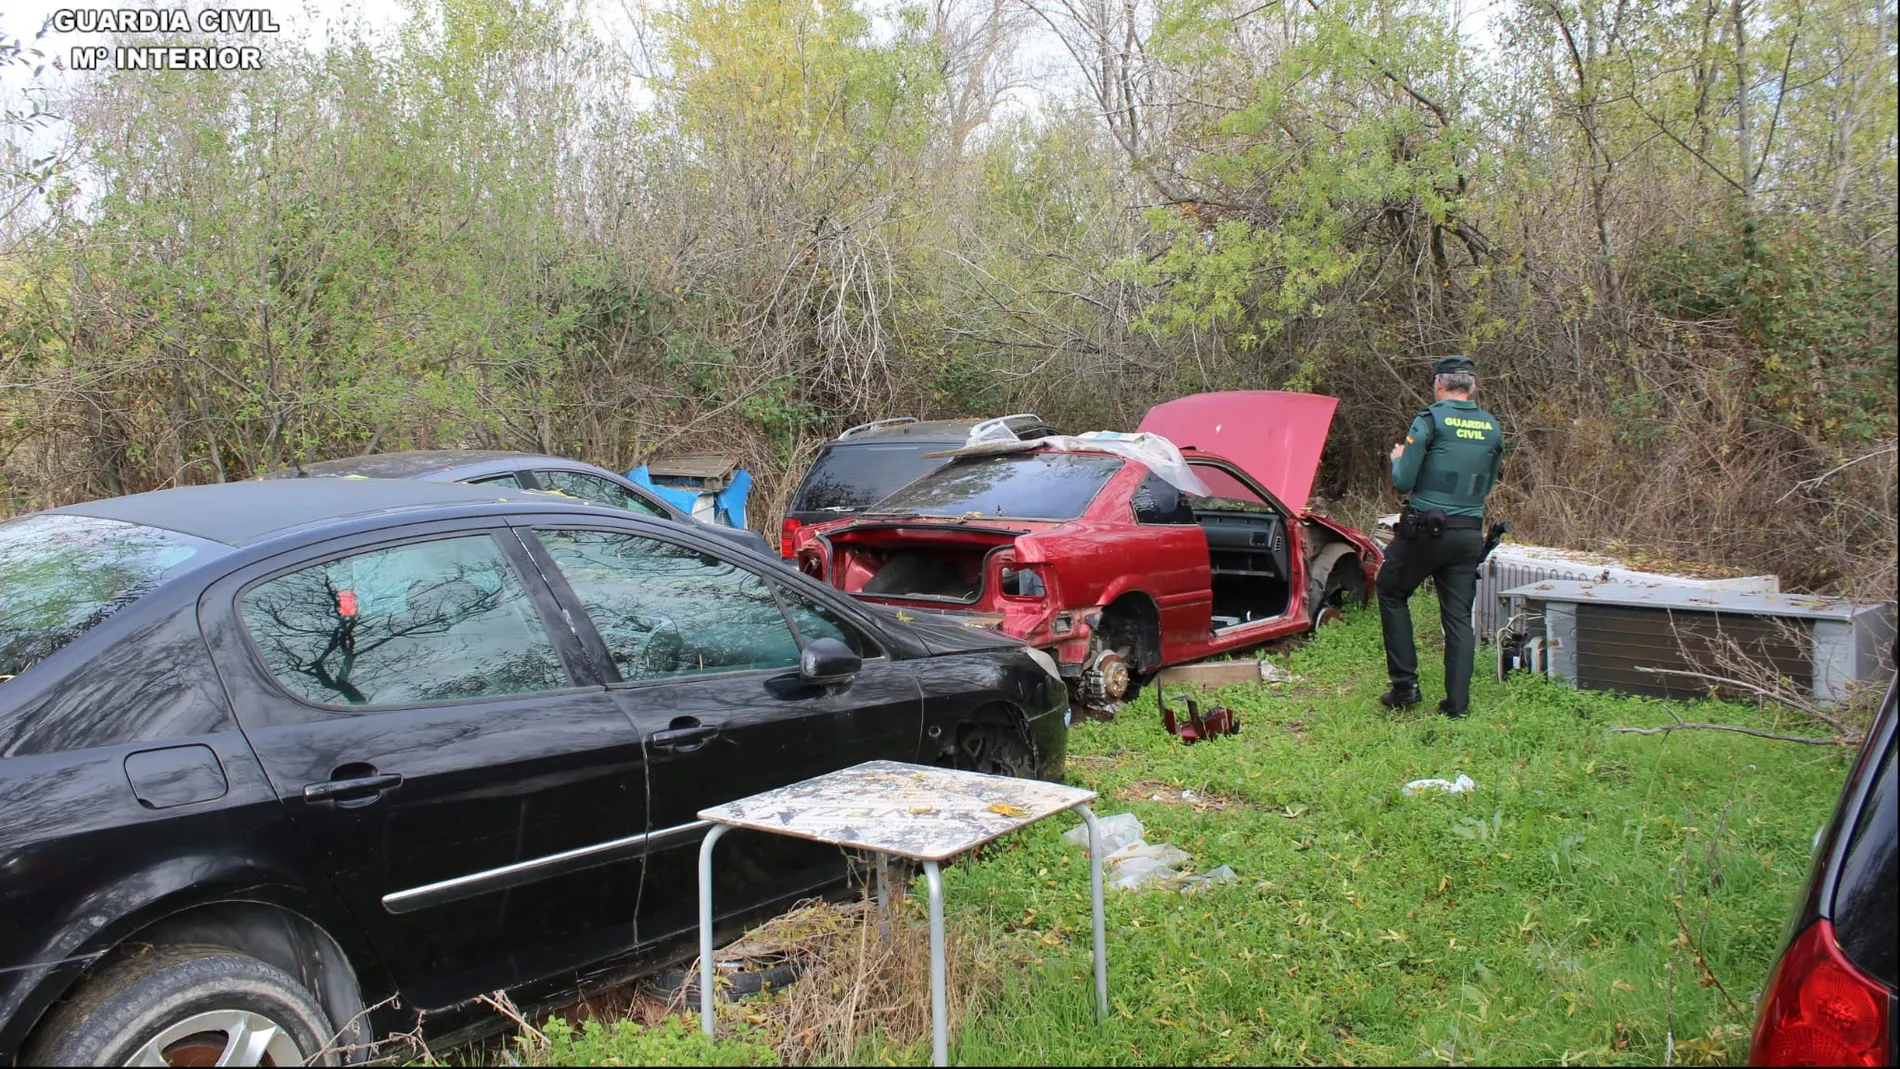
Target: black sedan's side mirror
(826, 660)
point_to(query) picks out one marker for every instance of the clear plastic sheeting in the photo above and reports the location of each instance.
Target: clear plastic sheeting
(1461, 785)
(1152, 451)
(1119, 831)
(1134, 864)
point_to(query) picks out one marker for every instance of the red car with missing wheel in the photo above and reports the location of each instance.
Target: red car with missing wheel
(1077, 547)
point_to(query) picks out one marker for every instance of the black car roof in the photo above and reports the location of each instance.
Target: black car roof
(406, 465)
(243, 513)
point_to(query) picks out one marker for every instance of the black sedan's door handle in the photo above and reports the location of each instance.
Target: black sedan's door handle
(357, 788)
(682, 738)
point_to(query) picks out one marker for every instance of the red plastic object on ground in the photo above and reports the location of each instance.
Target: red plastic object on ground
(1219, 720)
(1820, 1009)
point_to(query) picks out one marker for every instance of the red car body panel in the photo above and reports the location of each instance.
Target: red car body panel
(1087, 563)
(1274, 436)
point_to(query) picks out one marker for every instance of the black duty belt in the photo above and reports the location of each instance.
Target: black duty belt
(1464, 523)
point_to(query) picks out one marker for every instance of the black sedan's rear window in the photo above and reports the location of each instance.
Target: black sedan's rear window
(1025, 486)
(848, 477)
(63, 575)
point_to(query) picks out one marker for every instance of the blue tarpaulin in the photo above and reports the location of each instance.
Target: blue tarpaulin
(728, 504)
(731, 501)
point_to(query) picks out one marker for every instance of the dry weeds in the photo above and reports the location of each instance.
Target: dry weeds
(1155, 791)
(859, 985)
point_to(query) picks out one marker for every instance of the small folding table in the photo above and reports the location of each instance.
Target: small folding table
(894, 809)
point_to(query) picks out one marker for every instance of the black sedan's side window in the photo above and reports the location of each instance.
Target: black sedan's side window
(667, 610)
(597, 490)
(431, 621)
(815, 621)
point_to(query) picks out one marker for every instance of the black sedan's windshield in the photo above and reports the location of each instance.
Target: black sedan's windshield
(1024, 486)
(63, 575)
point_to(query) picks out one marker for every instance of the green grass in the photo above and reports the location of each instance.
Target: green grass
(675, 1041)
(1598, 892)
(1535, 921)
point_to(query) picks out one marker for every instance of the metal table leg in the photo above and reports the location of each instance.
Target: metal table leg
(883, 906)
(706, 927)
(939, 1027)
(1095, 904)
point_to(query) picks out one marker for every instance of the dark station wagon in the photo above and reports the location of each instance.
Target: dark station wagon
(286, 764)
(865, 463)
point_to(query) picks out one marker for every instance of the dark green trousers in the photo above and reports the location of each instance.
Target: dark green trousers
(1451, 562)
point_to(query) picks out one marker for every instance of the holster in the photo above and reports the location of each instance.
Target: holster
(1409, 521)
(1413, 523)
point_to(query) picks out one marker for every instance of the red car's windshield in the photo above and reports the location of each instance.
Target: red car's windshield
(1023, 486)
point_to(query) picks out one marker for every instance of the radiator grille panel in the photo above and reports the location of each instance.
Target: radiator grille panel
(1502, 573)
(1612, 640)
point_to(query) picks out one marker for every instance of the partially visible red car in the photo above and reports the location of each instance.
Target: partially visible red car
(1104, 563)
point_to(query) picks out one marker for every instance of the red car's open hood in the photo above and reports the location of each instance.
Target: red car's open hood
(1274, 436)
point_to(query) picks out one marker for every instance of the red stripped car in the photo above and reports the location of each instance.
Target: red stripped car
(1099, 559)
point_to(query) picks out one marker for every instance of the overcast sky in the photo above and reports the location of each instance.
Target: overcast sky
(313, 20)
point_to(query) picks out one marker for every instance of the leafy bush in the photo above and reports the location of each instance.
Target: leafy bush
(1814, 317)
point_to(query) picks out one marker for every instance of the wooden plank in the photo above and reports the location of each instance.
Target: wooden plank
(1218, 674)
(693, 466)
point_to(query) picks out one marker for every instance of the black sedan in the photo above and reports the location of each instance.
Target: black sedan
(517, 471)
(284, 763)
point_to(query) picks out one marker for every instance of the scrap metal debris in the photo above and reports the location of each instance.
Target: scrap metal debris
(1219, 720)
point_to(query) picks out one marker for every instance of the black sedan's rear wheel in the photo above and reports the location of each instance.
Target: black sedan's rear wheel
(185, 1006)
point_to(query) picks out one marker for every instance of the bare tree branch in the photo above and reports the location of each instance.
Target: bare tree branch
(1663, 729)
(1809, 484)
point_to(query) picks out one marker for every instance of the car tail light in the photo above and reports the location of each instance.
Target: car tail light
(787, 535)
(1024, 581)
(1819, 1009)
(811, 564)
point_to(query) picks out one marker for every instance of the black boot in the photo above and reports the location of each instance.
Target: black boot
(1398, 698)
(1454, 714)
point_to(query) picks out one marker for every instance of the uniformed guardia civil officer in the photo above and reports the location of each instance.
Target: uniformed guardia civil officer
(1447, 464)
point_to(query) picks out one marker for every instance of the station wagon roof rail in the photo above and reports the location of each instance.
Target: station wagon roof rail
(862, 427)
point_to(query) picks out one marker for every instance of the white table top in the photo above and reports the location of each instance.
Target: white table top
(913, 811)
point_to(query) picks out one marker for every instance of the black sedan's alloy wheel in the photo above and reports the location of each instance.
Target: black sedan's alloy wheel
(187, 1006)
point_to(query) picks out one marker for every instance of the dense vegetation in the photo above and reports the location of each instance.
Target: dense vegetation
(1665, 230)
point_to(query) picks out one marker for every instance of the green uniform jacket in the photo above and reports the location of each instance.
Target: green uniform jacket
(1453, 453)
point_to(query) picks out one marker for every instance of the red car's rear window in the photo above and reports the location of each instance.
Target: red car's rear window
(1023, 486)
